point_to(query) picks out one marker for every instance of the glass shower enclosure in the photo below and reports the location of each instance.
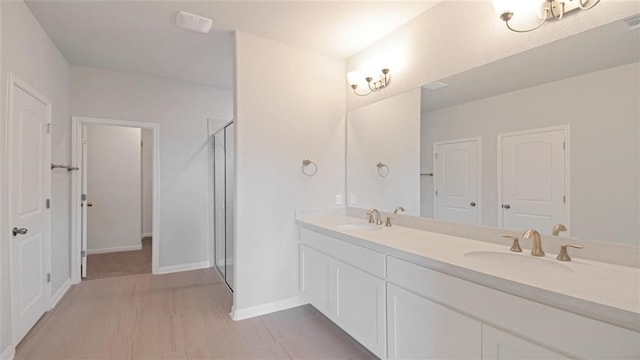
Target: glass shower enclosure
(222, 144)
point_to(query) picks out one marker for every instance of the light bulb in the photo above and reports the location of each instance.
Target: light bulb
(503, 7)
(353, 77)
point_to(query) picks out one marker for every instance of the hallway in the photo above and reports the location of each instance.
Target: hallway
(177, 316)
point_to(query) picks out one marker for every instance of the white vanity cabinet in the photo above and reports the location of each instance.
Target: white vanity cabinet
(401, 310)
(350, 296)
(422, 329)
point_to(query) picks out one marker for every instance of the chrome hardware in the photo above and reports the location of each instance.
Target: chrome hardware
(399, 208)
(515, 247)
(89, 204)
(506, 206)
(564, 255)
(378, 220)
(536, 250)
(21, 231)
(473, 204)
(388, 222)
(557, 228)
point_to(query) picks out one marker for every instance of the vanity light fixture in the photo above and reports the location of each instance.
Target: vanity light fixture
(354, 77)
(546, 9)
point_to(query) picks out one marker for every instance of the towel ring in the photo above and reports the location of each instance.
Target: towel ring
(309, 168)
(383, 169)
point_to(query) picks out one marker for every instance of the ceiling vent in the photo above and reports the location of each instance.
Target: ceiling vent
(633, 22)
(193, 22)
(436, 85)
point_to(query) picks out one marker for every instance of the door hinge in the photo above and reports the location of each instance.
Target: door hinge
(47, 203)
(84, 141)
(83, 253)
(564, 146)
(564, 199)
(436, 155)
(436, 192)
(83, 197)
(48, 278)
(48, 128)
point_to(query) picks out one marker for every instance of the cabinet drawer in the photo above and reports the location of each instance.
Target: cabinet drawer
(368, 260)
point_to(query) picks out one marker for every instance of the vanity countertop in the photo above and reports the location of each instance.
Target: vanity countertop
(601, 291)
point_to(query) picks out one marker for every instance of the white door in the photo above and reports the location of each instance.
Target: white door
(29, 189)
(84, 203)
(533, 179)
(457, 181)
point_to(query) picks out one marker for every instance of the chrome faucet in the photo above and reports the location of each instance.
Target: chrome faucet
(557, 228)
(378, 221)
(399, 208)
(536, 250)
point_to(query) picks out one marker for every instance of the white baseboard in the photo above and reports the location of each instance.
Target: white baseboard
(55, 298)
(8, 353)
(184, 267)
(114, 249)
(147, 235)
(241, 314)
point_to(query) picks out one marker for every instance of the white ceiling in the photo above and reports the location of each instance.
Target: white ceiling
(593, 50)
(141, 36)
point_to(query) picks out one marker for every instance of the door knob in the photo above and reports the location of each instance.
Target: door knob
(506, 206)
(21, 231)
(473, 204)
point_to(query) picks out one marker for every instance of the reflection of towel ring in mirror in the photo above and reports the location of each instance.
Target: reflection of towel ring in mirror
(309, 168)
(383, 169)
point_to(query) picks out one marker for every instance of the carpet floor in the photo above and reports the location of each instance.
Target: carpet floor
(100, 266)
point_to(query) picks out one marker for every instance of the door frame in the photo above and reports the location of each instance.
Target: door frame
(567, 169)
(15, 81)
(478, 140)
(76, 189)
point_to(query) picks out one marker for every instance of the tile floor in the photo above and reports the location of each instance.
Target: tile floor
(177, 316)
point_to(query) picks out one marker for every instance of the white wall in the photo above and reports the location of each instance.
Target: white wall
(147, 182)
(455, 36)
(28, 52)
(389, 132)
(602, 111)
(114, 187)
(289, 106)
(182, 110)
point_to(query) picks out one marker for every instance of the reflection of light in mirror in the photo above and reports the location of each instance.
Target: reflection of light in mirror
(520, 8)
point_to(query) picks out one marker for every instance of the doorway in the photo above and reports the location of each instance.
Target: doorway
(457, 180)
(115, 198)
(533, 179)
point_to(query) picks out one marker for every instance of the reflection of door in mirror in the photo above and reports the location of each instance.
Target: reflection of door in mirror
(457, 181)
(533, 179)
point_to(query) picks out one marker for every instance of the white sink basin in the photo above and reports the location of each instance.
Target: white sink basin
(358, 226)
(503, 261)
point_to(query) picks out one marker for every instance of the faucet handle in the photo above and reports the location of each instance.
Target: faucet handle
(515, 247)
(371, 219)
(388, 222)
(564, 255)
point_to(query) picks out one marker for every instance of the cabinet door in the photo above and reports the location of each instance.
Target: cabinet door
(421, 329)
(497, 344)
(360, 307)
(316, 271)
